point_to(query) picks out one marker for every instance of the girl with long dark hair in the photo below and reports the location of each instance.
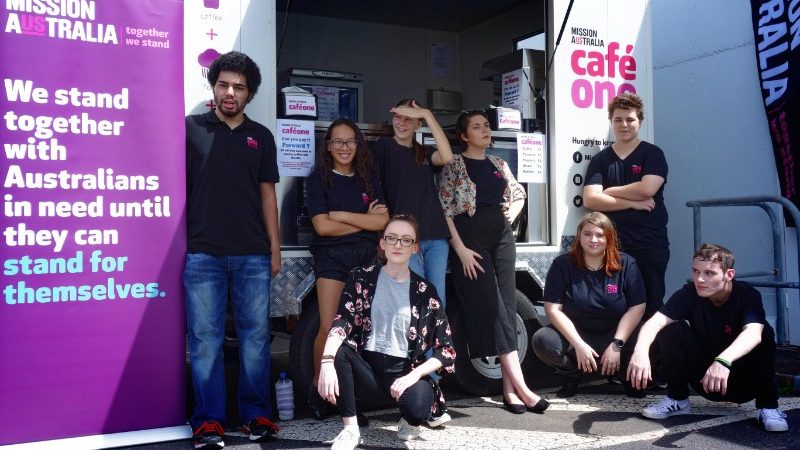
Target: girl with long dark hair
(347, 209)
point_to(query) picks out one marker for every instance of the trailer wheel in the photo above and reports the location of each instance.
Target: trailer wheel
(482, 376)
(301, 350)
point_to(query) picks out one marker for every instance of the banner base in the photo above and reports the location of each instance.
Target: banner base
(101, 441)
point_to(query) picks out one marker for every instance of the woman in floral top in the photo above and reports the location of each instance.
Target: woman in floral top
(480, 198)
(388, 319)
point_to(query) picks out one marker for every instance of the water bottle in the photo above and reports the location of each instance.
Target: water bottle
(284, 396)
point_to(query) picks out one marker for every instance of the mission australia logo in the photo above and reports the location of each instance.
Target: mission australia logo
(586, 36)
(61, 19)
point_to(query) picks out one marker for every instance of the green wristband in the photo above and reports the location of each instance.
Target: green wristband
(724, 362)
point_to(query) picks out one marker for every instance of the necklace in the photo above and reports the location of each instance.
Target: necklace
(344, 174)
(594, 269)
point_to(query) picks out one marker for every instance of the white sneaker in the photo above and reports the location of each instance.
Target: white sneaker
(346, 440)
(406, 432)
(772, 419)
(667, 407)
(439, 420)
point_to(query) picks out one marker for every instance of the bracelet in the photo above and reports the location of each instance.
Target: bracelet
(724, 362)
(326, 361)
(328, 357)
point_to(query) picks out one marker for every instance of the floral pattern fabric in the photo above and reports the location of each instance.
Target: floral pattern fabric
(457, 191)
(428, 329)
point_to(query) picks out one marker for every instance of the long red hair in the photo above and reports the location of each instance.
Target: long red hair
(611, 261)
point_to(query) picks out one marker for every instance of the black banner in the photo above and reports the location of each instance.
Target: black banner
(776, 25)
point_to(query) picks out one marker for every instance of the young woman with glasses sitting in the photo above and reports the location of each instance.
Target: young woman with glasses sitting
(378, 345)
(347, 209)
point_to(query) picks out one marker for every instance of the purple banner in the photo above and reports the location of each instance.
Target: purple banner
(776, 26)
(91, 321)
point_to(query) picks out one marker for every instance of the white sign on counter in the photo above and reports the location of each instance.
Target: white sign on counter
(295, 142)
(300, 105)
(530, 158)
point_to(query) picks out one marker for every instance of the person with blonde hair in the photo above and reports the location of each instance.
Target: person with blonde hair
(595, 298)
(388, 337)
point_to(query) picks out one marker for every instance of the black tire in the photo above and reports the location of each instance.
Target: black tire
(482, 376)
(301, 350)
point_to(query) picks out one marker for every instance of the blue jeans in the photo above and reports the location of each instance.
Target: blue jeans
(207, 281)
(430, 262)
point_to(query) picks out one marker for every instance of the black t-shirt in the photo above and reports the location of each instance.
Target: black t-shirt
(592, 300)
(637, 229)
(716, 327)
(224, 170)
(488, 180)
(410, 188)
(345, 194)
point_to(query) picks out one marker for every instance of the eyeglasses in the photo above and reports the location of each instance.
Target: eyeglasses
(339, 144)
(391, 239)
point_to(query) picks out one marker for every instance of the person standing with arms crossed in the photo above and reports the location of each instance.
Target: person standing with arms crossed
(233, 248)
(626, 181)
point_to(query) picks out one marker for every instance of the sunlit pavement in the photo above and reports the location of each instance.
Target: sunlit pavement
(600, 416)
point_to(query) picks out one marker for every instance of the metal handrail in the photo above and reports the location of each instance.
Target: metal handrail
(780, 284)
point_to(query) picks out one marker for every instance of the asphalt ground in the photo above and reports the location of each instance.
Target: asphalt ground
(600, 416)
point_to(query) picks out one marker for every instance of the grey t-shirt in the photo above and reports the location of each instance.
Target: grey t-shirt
(391, 317)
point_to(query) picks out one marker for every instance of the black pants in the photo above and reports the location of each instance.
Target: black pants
(652, 263)
(685, 363)
(488, 303)
(556, 351)
(370, 376)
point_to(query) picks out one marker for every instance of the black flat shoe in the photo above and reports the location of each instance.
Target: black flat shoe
(540, 407)
(570, 387)
(318, 408)
(515, 408)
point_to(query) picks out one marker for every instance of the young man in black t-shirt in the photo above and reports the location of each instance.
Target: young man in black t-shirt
(713, 336)
(626, 181)
(233, 248)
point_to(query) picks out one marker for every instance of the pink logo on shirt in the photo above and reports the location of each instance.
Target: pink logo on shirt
(498, 174)
(611, 289)
(636, 169)
(252, 143)
(365, 198)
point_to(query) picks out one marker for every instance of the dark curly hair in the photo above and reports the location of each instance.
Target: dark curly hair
(362, 163)
(236, 62)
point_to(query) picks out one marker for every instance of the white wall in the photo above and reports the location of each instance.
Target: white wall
(711, 124)
(394, 60)
(488, 40)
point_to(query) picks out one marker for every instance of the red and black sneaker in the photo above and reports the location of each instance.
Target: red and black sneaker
(261, 429)
(209, 435)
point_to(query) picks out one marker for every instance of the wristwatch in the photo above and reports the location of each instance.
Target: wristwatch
(618, 342)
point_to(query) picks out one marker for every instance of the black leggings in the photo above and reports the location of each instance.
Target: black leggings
(370, 376)
(555, 351)
(685, 362)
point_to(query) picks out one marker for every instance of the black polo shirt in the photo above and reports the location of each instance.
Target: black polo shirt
(343, 194)
(224, 169)
(716, 327)
(637, 229)
(594, 301)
